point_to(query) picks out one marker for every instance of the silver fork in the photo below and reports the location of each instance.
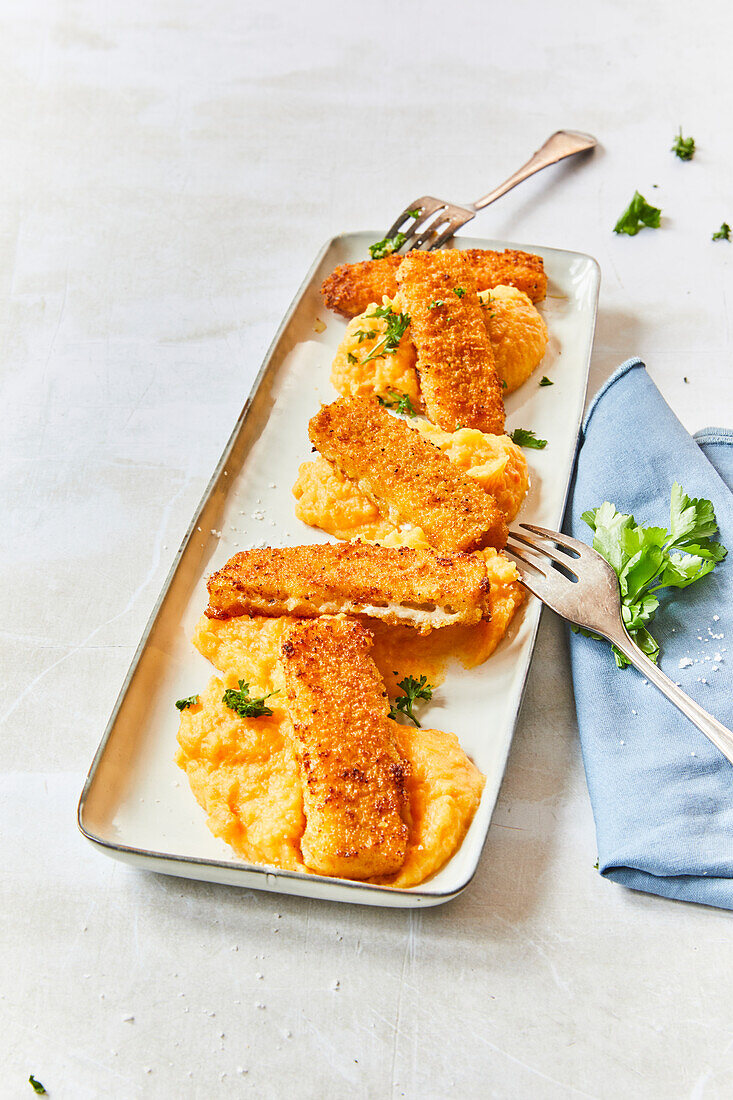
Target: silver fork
(429, 214)
(585, 591)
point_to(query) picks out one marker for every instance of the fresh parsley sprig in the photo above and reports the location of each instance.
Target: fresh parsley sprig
(683, 147)
(388, 245)
(638, 214)
(414, 690)
(184, 704)
(243, 704)
(525, 437)
(400, 402)
(722, 234)
(648, 559)
(397, 325)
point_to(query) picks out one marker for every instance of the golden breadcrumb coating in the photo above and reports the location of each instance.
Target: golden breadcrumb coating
(249, 645)
(385, 375)
(326, 498)
(419, 587)
(444, 789)
(245, 774)
(496, 463)
(410, 480)
(516, 328)
(352, 287)
(353, 775)
(517, 332)
(455, 361)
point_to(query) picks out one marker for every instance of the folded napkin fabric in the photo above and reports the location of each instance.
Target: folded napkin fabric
(662, 794)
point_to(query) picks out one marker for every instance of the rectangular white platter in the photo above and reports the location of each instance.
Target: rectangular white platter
(136, 804)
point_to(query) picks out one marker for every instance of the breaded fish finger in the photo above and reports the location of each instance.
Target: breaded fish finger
(408, 479)
(419, 587)
(353, 776)
(351, 288)
(455, 361)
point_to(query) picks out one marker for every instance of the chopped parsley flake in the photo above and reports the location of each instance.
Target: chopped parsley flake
(400, 402)
(183, 704)
(351, 358)
(722, 234)
(36, 1086)
(361, 334)
(397, 325)
(386, 246)
(414, 690)
(684, 148)
(414, 213)
(638, 214)
(545, 381)
(243, 705)
(525, 437)
(458, 291)
(436, 303)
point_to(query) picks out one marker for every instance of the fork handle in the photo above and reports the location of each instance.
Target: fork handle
(563, 143)
(714, 730)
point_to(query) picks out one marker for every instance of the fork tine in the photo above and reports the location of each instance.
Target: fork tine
(558, 538)
(562, 559)
(430, 229)
(427, 205)
(517, 558)
(447, 233)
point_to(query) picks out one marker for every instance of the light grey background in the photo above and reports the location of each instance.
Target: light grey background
(167, 173)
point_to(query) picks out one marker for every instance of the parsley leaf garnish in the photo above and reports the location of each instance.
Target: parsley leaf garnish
(437, 303)
(414, 690)
(545, 381)
(397, 324)
(684, 148)
(361, 334)
(525, 437)
(414, 213)
(351, 358)
(241, 703)
(723, 234)
(458, 291)
(400, 402)
(386, 246)
(638, 213)
(647, 559)
(183, 704)
(36, 1086)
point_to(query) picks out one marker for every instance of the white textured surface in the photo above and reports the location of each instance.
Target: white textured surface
(167, 172)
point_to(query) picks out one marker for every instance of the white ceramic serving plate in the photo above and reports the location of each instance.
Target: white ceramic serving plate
(136, 804)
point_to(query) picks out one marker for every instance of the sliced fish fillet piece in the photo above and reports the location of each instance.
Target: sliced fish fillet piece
(409, 479)
(458, 379)
(353, 776)
(421, 588)
(351, 288)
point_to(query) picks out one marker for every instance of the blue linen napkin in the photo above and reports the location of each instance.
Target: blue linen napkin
(662, 794)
